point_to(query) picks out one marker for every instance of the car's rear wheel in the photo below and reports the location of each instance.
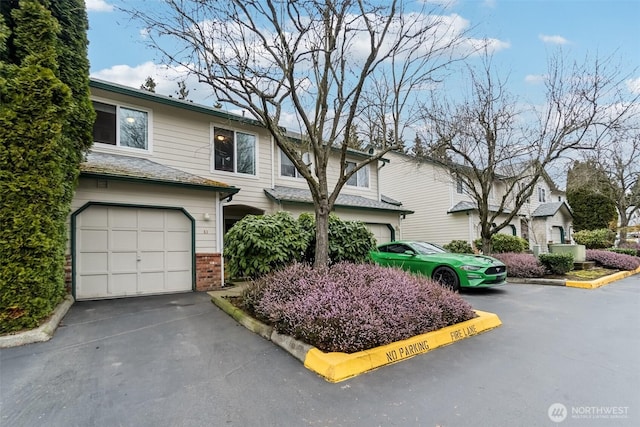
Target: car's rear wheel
(447, 278)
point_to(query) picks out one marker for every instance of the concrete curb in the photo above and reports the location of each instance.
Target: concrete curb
(593, 284)
(44, 332)
(335, 367)
(583, 284)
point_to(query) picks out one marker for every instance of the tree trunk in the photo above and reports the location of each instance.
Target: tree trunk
(624, 223)
(322, 235)
(485, 234)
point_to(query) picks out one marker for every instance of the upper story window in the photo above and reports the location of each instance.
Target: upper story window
(542, 195)
(459, 185)
(234, 151)
(360, 178)
(121, 126)
(288, 169)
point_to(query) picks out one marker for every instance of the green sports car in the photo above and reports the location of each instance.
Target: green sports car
(451, 270)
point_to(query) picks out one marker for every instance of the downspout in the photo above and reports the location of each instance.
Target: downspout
(273, 163)
(219, 235)
(379, 189)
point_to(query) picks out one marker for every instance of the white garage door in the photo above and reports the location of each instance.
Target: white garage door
(381, 232)
(123, 251)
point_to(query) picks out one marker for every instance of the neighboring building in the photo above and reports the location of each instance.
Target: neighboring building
(166, 178)
(445, 212)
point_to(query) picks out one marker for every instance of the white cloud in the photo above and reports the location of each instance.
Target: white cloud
(634, 86)
(144, 33)
(166, 79)
(98, 6)
(534, 78)
(553, 39)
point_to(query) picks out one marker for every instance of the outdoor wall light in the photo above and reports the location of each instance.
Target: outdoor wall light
(206, 216)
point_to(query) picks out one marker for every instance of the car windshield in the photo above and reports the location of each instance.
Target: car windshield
(425, 248)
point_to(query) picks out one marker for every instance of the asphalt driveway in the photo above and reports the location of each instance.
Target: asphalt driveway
(177, 360)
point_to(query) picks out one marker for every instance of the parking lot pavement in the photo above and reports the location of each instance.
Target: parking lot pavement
(177, 360)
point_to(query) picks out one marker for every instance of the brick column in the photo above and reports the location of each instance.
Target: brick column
(67, 272)
(208, 271)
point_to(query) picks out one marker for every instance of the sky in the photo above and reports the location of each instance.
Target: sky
(526, 32)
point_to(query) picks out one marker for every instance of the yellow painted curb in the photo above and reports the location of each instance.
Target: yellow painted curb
(593, 284)
(335, 367)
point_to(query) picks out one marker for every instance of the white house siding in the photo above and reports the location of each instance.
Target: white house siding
(422, 188)
(193, 201)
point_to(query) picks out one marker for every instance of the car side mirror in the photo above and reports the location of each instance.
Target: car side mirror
(409, 252)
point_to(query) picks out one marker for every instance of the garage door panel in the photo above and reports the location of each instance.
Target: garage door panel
(151, 283)
(177, 280)
(93, 263)
(122, 218)
(94, 286)
(122, 284)
(178, 260)
(124, 240)
(152, 261)
(124, 262)
(179, 240)
(126, 251)
(93, 240)
(151, 240)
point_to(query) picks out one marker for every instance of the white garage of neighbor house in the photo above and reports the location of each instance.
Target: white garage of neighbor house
(142, 228)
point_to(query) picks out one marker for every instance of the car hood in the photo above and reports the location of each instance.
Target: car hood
(464, 259)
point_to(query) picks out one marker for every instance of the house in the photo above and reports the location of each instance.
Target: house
(166, 178)
(445, 212)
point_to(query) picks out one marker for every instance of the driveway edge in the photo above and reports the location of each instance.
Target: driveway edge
(335, 367)
(44, 332)
(583, 284)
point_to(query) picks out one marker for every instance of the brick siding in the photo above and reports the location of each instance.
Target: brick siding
(208, 272)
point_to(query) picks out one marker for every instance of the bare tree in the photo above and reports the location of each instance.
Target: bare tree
(497, 145)
(149, 85)
(618, 159)
(321, 59)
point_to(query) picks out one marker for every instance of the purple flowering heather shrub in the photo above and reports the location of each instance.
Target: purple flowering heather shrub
(613, 260)
(521, 264)
(352, 307)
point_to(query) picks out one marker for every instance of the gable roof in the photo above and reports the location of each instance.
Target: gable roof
(170, 101)
(127, 168)
(550, 209)
(303, 196)
(466, 206)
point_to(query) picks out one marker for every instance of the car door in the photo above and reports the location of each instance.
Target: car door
(396, 255)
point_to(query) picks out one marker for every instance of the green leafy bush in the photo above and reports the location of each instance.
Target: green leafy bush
(259, 244)
(626, 251)
(503, 243)
(595, 239)
(557, 263)
(349, 241)
(459, 247)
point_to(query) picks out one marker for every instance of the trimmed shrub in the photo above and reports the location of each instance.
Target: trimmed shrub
(351, 307)
(557, 263)
(613, 260)
(259, 244)
(595, 239)
(349, 241)
(521, 265)
(505, 243)
(459, 247)
(626, 251)
(631, 246)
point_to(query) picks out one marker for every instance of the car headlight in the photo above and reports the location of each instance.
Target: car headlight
(470, 268)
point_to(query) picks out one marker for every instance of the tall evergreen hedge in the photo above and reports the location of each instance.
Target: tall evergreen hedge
(45, 126)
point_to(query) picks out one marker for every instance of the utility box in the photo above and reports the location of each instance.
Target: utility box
(579, 252)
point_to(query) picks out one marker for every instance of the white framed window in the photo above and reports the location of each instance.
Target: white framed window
(542, 195)
(122, 126)
(360, 178)
(287, 167)
(234, 151)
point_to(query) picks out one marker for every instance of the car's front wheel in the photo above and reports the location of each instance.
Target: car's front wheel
(447, 278)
